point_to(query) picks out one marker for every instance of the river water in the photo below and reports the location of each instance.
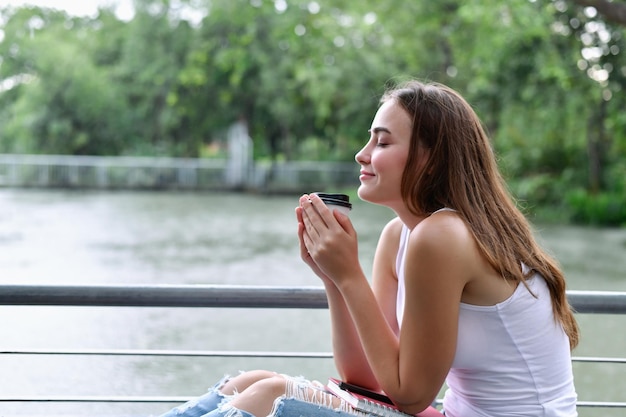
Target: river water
(58, 237)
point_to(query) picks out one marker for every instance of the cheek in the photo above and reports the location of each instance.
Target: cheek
(389, 162)
(390, 169)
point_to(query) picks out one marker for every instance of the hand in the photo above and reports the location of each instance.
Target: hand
(304, 253)
(327, 239)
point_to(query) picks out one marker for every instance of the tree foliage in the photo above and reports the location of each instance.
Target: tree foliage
(546, 76)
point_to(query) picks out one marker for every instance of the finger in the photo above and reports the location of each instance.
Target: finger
(301, 226)
(304, 199)
(322, 210)
(303, 249)
(310, 219)
(308, 243)
(299, 214)
(345, 222)
(305, 241)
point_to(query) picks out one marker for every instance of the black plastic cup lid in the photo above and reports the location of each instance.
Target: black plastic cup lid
(336, 199)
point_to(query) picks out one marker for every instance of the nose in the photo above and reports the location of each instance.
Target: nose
(362, 157)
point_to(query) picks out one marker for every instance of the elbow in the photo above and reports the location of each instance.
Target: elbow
(414, 402)
(416, 407)
(415, 394)
(358, 375)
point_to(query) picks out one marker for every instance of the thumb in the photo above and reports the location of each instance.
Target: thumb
(344, 221)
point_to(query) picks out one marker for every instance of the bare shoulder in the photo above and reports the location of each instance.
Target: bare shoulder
(387, 248)
(443, 245)
(445, 229)
(392, 230)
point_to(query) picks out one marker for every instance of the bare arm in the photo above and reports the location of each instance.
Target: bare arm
(349, 355)
(409, 368)
(412, 369)
(348, 352)
(350, 358)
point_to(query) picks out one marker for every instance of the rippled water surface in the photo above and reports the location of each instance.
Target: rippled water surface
(56, 237)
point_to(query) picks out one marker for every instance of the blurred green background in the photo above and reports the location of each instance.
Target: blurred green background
(547, 77)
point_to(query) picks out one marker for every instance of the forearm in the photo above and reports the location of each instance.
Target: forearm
(349, 356)
(408, 367)
(379, 344)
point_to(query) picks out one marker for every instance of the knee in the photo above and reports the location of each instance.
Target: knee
(259, 374)
(258, 399)
(244, 380)
(274, 386)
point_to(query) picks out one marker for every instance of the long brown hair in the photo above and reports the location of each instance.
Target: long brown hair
(462, 173)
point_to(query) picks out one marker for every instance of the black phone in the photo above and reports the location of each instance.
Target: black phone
(365, 392)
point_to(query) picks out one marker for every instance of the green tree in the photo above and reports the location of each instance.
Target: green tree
(546, 76)
(151, 57)
(69, 105)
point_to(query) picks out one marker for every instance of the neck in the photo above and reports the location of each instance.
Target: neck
(409, 219)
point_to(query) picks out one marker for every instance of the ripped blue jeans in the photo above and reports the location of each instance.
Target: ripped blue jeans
(297, 402)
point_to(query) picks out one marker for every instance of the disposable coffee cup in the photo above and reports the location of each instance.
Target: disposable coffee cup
(336, 201)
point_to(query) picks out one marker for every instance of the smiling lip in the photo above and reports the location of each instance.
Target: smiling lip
(365, 175)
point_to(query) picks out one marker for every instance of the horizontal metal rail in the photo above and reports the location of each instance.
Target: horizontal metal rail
(224, 296)
(225, 354)
(230, 296)
(96, 399)
(182, 399)
(164, 296)
(171, 353)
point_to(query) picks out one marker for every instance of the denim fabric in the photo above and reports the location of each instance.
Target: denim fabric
(226, 410)
(291, 407)
(215, 404)
(299, 401)
(199, 406)
(283, 407)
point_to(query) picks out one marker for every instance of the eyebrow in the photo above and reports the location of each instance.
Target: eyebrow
(379, 129)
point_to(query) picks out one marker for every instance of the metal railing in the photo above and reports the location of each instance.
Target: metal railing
(220, 296)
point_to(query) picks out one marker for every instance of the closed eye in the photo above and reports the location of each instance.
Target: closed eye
(377, 134)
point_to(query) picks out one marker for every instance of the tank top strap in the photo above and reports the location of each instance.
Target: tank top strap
(443, 209)
(400, 259)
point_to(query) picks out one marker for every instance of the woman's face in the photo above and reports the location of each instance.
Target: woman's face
(384, 156)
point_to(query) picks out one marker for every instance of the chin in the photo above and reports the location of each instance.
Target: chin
(361, 193)
(365, 196)
(375, 195)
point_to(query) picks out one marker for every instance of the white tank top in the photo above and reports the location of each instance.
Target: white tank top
(512, 358)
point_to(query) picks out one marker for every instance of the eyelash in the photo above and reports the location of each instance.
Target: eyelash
(380, 142)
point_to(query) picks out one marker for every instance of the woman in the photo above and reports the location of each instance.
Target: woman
(460, 291)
